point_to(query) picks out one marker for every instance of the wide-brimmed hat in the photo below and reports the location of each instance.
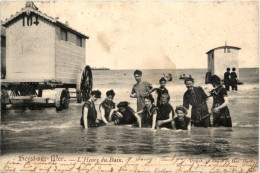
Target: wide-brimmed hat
(215, 79)
(183, 109)
(123, 104)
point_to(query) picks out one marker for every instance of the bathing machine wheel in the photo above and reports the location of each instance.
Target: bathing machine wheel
(84, 85)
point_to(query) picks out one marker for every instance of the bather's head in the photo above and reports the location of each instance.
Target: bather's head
(181, 112)
(138, 75)
(110, 95)
(148, 100)
(189, 82)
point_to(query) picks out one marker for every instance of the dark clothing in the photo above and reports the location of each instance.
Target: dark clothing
(128, 117)
(222, 118)
(181, 124)
(147, 116)
(197, 99)
(160, 91)
(227, 80)
(167, 125)
(233, 80)
(107, 106)
(164, 111)
(92, 114)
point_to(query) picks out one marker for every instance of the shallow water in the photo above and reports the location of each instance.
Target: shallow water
(45, 130)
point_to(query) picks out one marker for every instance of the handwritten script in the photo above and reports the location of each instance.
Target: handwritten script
(122, 164)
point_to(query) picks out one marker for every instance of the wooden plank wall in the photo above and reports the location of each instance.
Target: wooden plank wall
(30, 52)
(69, 58)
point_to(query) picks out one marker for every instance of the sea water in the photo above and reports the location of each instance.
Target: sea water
(48, 131)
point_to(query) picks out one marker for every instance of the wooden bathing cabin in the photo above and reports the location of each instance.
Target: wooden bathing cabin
(42, 53)
(219, 59)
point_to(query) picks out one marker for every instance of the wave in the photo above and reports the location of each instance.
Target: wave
(18, 129)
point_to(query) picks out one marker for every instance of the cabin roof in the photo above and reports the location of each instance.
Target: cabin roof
(31, 8)
(223, 47)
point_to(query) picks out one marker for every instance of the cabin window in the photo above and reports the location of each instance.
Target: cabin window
(79, 41)
(30, 20)
(63, 35)
(3, 41)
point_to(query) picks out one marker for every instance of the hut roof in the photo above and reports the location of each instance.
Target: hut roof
(223, 47)
(31, 8)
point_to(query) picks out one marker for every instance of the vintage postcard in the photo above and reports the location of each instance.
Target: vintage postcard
(129, 86)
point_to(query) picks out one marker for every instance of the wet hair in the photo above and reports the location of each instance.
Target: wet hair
(96, 93)
(181, 108)
(138, 72)
(149, 97)
(228, 69)
(188, 79)
(215, 79)
(233, 69)
(110, 92)
(166, 95)
(162, 79)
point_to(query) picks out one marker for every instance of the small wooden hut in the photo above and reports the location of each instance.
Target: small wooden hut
(219, 59)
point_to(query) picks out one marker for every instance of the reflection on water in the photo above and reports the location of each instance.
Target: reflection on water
(48, 131)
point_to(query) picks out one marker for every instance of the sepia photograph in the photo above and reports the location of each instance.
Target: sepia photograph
(129, 86)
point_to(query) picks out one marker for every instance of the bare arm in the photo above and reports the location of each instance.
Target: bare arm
(161, 122)
(154, 120)
(138, 119)
(110, 115)
(189, 127)
(152, 90)
(133, 95)
(208, 106)
(85, 117)
(102, 113)
(173, 125)
(221, 106)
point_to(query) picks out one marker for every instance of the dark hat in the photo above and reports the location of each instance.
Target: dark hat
(110, 92)
(138, 72)
(96, 93)
(181, 108)
(162, 79)
(188, 79)
(215, 79)
(233, 69)
(228, 69)
(123, 104)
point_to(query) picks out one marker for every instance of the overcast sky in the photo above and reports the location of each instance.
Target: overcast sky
(156, 35)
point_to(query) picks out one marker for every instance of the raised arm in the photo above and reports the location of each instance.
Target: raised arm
(152, 90)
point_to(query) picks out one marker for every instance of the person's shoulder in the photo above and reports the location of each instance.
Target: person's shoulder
(87, 103)
(170, 106)
(186, 94)
(187, 118)
(113, 103)
(175, 119)
(154, 108)
(129, 109)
